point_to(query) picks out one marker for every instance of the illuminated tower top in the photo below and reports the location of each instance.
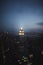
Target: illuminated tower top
(21, 31)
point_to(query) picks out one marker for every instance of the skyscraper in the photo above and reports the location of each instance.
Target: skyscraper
(21, 32)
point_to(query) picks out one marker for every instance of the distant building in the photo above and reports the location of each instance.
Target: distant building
(21, 32)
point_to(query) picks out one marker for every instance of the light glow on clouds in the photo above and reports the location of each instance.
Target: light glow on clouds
(25, 14)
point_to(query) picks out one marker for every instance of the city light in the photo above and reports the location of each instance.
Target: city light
(21, 28)
(42, 52)
(21, 31)
(31, 55)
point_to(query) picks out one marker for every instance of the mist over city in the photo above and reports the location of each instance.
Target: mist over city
(21, 32)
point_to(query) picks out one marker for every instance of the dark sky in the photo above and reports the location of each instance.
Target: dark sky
(17, 13)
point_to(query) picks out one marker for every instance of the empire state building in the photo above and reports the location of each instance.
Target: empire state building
(21, 32)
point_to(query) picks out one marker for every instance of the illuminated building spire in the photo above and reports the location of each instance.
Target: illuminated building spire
(21, 31)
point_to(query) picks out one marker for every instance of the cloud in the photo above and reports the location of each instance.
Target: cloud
(41, 23)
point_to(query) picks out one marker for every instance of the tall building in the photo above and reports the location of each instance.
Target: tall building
(21, 32)
(21, 40)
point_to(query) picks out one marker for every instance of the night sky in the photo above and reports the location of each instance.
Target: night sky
(17, 13)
